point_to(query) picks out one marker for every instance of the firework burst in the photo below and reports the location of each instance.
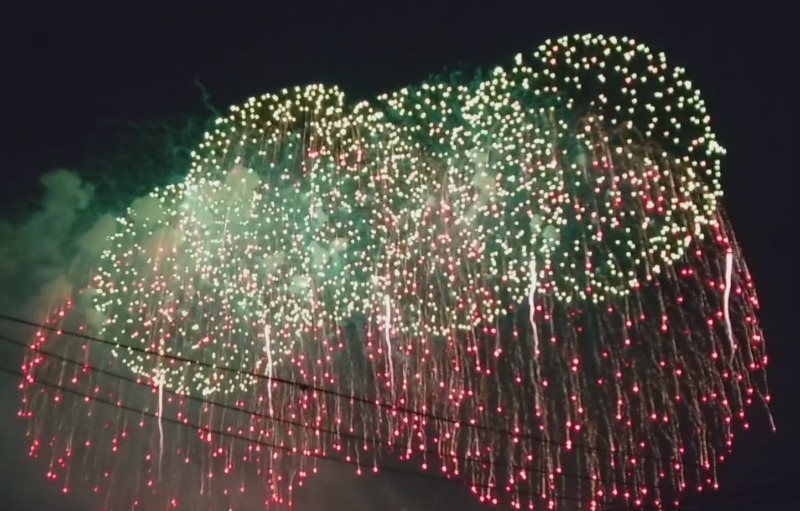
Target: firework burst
(526, 282)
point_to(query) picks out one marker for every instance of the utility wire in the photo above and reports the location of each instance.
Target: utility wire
(304, 386)
(271, 445)
(688, 502)
(307, 387)
(280, 420)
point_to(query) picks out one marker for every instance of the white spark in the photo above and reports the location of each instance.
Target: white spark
(268, 349)
(532, 306)
(727, 298)
(387, 327)
(159, 381)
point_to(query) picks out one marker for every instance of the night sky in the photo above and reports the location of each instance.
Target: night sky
(68, 71)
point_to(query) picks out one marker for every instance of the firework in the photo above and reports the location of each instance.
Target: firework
(526, 282)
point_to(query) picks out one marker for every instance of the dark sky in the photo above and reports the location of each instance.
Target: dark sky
(66, 70)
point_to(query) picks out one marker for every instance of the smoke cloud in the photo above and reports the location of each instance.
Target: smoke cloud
(50, 255)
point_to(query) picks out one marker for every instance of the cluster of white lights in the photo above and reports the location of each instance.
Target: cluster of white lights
(418, 211)
(510, 268)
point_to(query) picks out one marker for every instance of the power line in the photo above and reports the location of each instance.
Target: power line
(303, 386)
(288, 450)
(691, 500)
(306, 387)
(274, 418)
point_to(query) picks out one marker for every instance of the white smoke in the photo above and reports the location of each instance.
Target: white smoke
(42, 256)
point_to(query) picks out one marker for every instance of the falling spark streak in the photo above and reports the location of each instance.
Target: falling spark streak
(532, 306)
(535, 332)
(727, 298)
(268, 348)
(388, 311)
(160, 382)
